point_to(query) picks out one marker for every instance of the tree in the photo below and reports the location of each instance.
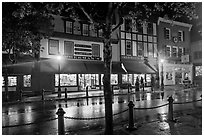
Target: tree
(109, 16)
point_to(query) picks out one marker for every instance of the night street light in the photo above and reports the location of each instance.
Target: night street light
(162, 74)
(59, 58)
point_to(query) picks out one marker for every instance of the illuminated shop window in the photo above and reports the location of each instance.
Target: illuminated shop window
(12, 81)
(198, 71)
(66, 79)
(3, 82)
(127, 78)
(114, 79)
(91, 80)
(27, 80)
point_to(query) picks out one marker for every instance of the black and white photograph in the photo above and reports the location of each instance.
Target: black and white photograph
(101, 68)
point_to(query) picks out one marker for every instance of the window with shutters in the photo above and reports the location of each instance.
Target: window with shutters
(181, 35)
(68, 48)
(167, 33)
(180, 51)
(95, 50)
(53, 46)
(168, 51)
(174, 51)
(128, 48)
(69, 27)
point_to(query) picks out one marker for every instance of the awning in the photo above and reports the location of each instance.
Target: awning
(136, 67)
(18, 68)
(78, 67)
(72, 66)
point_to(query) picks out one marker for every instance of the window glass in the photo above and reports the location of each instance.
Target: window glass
(150, 50)
(145, 49)
(12, 81)
(66, 79)
(144, 38)
(27, 80)
(174, 51)
(114, 79)
(53, 46)
(68, 48)
(180, 52)
(139, 37)
(69, 27)
(198, 70)
(127, 78)
(167, 33)
(155, 50)
(140, 49)
(149, 38)
(134, 36)
(168, 51)
(128, 48)
(150, 29)
(85, 29)
(95, 50)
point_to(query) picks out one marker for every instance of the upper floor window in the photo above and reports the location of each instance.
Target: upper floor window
(85, 29)
(128, 24)
(150, 29)
(167, 33)
(168, 51)
(155, 50)
(140, 49)
(150, 50)
(68, 48)
(128, 48)
(181, 35)
(53, 46)
(180, 51)
(69, 27)
(174, 51)
(95, 50)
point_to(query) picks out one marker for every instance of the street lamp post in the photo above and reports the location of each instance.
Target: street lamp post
(59, 86)
(162, 75)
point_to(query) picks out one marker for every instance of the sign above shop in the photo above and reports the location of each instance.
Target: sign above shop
(84, 57)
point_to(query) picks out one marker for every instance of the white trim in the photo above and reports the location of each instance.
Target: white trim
(181, 34)
(174, 22)
(169, 33)
(170, 49)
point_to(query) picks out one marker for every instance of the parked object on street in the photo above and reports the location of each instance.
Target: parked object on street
(137, 85)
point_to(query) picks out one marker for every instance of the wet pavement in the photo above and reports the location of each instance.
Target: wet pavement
(40, 117)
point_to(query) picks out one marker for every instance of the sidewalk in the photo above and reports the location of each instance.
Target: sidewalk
(188, 122)
(91, 93)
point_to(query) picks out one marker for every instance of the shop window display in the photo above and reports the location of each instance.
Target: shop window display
(198, 71)
(12, 81)
(27, 80)
(66, 79)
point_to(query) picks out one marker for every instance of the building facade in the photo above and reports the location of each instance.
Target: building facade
(174, 49)
(196, 58)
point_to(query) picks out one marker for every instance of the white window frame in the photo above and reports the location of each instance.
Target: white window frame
(181, 52)
(85, 32)
(180, 36)
(70, 28)
(169, 37)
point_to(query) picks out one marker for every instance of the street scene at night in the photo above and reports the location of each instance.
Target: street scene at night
(101, 68)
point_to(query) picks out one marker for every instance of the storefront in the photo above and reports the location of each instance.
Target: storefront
(174, 74)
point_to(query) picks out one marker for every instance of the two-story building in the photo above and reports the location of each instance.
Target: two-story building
(80, 48)
(173, 48)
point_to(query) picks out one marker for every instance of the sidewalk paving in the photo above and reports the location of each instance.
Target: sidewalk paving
(92, 93)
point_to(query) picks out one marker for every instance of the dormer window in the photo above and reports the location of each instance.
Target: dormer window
(69, 27)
